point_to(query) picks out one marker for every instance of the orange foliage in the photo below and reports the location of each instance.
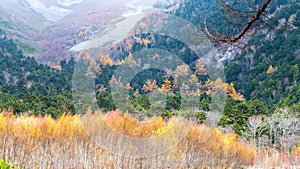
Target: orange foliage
(106, 60)
(130, 60)
(129, 126)
(44, 142)
(57, 67)
(182, 70)
(166, 86)
(150, 86)
(128, 43)
(143, 25)
(224, 149)
(128, 87)
(296, 153)
(194, 79)
(122, 62)
(146, 41)
(200, 68)
(220, 86)
(65, 129)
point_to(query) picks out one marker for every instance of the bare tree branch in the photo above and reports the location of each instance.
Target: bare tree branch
(253, 15)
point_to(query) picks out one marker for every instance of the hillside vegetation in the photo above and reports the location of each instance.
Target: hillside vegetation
(45, 142)
(63, 116)
(276, 48)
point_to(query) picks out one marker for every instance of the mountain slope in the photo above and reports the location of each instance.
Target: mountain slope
(47, 29)
(21, 23)
(277, 48)
(26, 85)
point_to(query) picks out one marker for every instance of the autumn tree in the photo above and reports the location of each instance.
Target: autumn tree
(200, 68)
(182, 70)
(166, 86)
(194, 79)
(130, 60)
(218, 85)
(128, 86)
(270, 70)
(115, 82)
(150, 86)
(233, 93)
(121, 62)
(106, 60)
(208, 85)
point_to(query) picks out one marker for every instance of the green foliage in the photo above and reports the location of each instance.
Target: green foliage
(218, 20)
(205, 101)
(27, 86)
(27, 48)
(201, 117)
(4, 165)
(236, 113)
(281, 50)
(167, 114)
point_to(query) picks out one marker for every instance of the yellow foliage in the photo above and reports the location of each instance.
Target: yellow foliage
(115, 82)
(166, 86)
(208, 85)
(137, 31)
(146, 41)
(129, 126)
(200, 68)
(270, 70)
(218, 85)
(66, 128)
(182, 70)
(46, 136)
(128, 43)
(194, 79)
(106, 60)
(150, 86)
(130, 60)
(128, 87)
(122, 62)
(296, 151)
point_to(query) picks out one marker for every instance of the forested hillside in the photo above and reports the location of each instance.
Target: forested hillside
(260, 73)
(151, 99)
(274, 44)
(218, 18)
(27, 86)
(268, 68)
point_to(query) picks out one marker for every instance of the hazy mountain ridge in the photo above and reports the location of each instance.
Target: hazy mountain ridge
(21, 23)
(47, 29)
(51, 13)
(28, 23)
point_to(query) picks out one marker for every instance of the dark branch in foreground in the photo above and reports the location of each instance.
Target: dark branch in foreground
(238, 13)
